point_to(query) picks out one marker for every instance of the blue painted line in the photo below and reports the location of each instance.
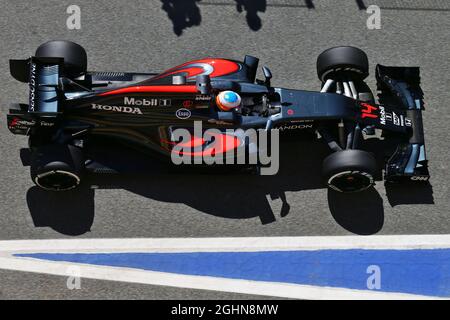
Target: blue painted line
(423, 272)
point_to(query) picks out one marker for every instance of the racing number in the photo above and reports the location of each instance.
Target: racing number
(367, 111)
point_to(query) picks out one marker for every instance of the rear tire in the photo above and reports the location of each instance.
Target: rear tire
(75, 57)
(57, 167)
(349, 170)
(335, 62)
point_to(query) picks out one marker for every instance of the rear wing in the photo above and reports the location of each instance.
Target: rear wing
(400, 87)
(43, 77)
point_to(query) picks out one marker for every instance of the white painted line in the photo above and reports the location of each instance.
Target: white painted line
(275, 289)
(404, 242)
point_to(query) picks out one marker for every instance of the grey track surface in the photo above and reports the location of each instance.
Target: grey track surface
(139, 36)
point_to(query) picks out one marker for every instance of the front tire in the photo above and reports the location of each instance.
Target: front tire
(349, 170)
(334, 63)
(57, 167)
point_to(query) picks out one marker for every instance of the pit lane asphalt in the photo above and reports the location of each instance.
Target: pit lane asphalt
(141, 37)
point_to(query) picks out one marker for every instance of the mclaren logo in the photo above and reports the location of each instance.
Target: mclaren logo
(207, 69)
(123, 109)
(32, 86)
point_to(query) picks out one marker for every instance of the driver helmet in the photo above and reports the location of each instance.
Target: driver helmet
(228, 100)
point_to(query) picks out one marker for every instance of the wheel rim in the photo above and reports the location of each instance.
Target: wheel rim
(57, 180)
(351, 181)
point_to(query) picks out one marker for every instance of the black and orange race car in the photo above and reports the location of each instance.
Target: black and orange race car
(69, 106)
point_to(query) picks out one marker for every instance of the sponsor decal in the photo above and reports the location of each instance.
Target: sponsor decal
(21, 124)
(47, 124)
(295, 127)
(32, 86)
(188, 103)
(420, 178)
(13, 122)
(408, 122)
(123, 109)
(382, 115)
(396, 119)
(388, 116)
(140, 102)
(130, 101)
(26, 122)
(353, 70)
(183, 113)
(301, 121)
(165, 102)
(220, 122)
(203, 97)
(367, 111)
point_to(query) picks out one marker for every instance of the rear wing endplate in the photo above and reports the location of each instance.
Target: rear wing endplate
(42, 74)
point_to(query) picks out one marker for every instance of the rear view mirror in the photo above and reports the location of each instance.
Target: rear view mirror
(267, 74)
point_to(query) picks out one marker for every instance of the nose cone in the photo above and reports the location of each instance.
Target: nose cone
(227, 100)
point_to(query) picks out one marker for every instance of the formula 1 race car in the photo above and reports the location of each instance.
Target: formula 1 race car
(69, 105)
